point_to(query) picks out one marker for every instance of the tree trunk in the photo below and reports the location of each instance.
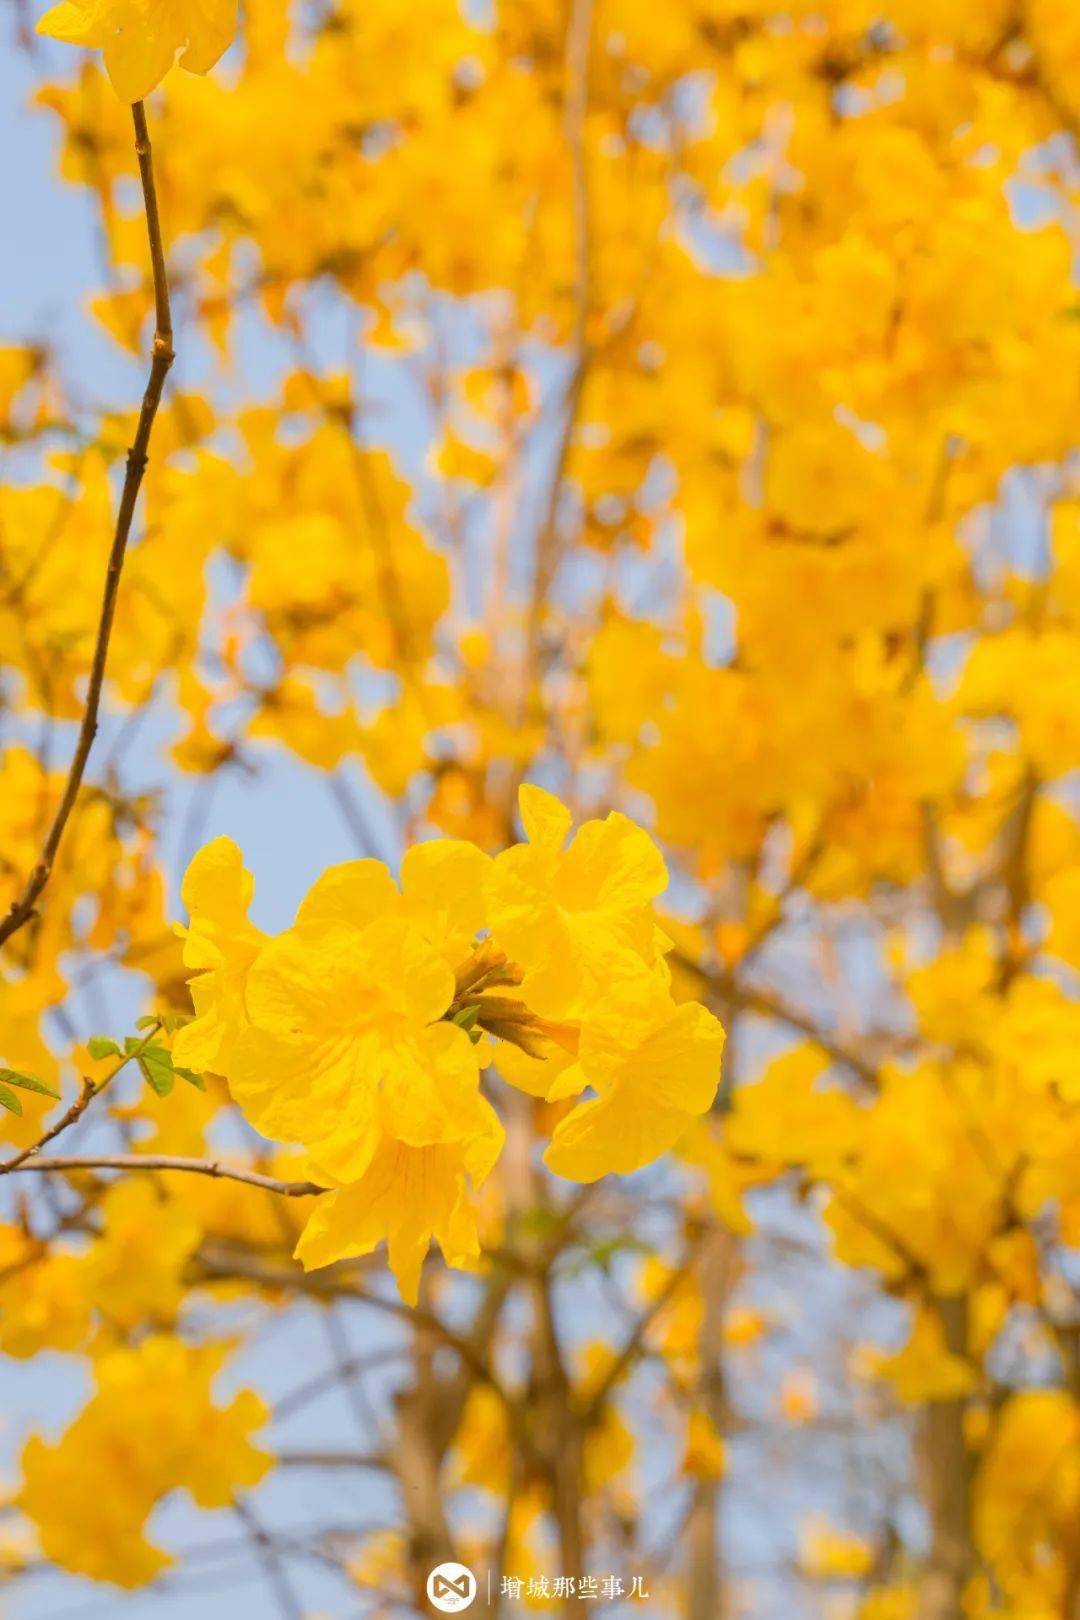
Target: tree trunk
(705, 1590)
(945, 1470)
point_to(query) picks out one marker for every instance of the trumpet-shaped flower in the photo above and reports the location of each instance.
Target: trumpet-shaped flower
(564, 913)
(654, 1066)
(220, 944)
(345, 1043)
(442, 894)
(140, 38)
(406, 1196)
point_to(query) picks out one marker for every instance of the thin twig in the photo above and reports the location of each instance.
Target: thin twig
(90, 1090)
(61, 1163)
(575, 110)
(332, 1459)
(273, 1565)
(634, 1345)
(162, 354)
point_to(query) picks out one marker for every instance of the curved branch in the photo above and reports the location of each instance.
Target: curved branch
(162, 354)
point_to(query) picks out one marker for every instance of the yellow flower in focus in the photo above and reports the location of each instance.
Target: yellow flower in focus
(345, 1044)
(407, 1196)
(221, 944)
(442, 894)
(562, 914)
(655, 1067)
(140, 38)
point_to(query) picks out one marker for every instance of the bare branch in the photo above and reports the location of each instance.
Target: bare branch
(331, 1459)
(575, 110)
(62, 1163)
(23, 908)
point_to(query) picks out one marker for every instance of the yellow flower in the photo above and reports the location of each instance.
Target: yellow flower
(140, 38)
(787, 1117)
(345, 1043)
(926, 1369)
(221, 944)
(563, 913)
(407, 1196)
(442, 893)
(655, 1067)
(828, 1554)
(43, 1298)
(134, 1269)
(1027, 1498)
(705, 1455)
(151, 1427)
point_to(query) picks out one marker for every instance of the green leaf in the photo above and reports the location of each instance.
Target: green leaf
(101, 1046)
(157, 1069)
(466, 1018)
(147, 1021)
(191, 1077)
(28, 1082)
(9, 1101)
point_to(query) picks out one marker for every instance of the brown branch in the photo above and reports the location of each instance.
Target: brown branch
(342, 1280)
(62, 1163)
(268, 1556)
(863, 1061)
(346, 1368)
(332, 1459)
(575, 110)
(23, 908)
(718, 1271)
(946, 1468)
(635, 1344)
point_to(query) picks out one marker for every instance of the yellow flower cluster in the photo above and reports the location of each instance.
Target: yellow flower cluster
(151, 1427)
(361, 1032)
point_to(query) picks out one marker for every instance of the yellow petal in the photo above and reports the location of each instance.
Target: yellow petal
(545, 818)
(354, 892)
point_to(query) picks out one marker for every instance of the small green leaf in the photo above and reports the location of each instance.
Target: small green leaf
(28, 1082)
(171, 1022)
(157, 1069)
(101, 1046)
(147, 1021)
(9, 1101)
(191, 1077)
(466, 1018)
